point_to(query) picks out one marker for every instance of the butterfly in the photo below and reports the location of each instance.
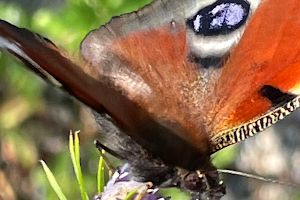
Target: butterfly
(177, 87)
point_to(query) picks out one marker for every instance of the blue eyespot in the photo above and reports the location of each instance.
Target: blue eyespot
(220, 18)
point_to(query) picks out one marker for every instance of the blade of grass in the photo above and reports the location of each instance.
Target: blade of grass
(131, 193)
(77, 149)
(100, 174)
(53, 181)
(75, 157)
(71, 149)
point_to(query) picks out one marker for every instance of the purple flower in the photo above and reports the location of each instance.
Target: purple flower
(122, 183)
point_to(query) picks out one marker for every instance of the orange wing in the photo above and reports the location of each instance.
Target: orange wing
(260, 81)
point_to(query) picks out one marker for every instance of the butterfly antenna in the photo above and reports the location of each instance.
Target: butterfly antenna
(252, 176)
(101, 147)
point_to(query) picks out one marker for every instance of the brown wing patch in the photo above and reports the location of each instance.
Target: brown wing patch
(159, 56)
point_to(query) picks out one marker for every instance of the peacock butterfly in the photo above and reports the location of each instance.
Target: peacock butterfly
(174, 78)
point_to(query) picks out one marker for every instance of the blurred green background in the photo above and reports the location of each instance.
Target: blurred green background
(35, 118)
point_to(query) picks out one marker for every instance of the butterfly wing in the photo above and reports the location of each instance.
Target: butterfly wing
(260, 82)
(100, 94)
(156, 58)
(163, 84)
(166, 60)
